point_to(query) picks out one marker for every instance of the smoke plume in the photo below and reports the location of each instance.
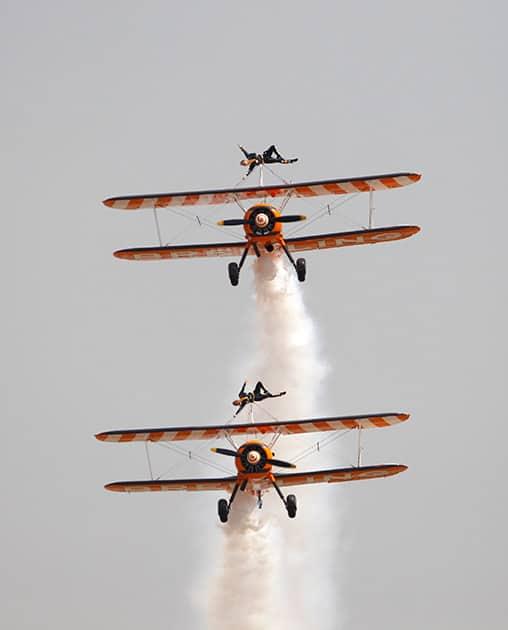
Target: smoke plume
(276, 572)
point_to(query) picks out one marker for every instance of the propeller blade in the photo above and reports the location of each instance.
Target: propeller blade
(225, 451)
(281, 463)
(291, 218)
(232, 222)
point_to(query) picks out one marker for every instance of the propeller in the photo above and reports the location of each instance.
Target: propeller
(291, 218)
(274, 462)
(287, 218)
(225, 451)
(233, 222)
(281, 463)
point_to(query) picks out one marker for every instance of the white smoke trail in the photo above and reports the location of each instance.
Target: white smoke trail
(277, 572)
(246, 593)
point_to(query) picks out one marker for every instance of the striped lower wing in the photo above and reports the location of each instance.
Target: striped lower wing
(347, 239)
(229, 195)
(338, 475)
(335, 475)
(300, 244)
(288, 427)
(174, 252)
(175, 485)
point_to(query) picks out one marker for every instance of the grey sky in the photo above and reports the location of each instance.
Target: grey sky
(101, 99)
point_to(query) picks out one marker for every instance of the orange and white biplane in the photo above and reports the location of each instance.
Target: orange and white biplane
(263, 222)
(255, 458)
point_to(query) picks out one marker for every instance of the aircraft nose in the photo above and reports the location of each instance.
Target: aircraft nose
(253, 457)
(262, 220)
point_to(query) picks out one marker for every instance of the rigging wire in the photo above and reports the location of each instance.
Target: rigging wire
(195, 456)
(204, 221)
(176, 238)
(326, 209)
(266, 411)
(319, 213)
(288, 183)
(320, 445)
(317, 446)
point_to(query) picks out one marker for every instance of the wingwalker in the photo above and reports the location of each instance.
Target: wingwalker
(263, 222)
(255, 458)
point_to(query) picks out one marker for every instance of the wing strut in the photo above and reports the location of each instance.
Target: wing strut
(157, 226)
(149, 461)
(359, 453)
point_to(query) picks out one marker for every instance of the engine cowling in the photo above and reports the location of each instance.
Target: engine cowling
(261, 220)
(253, 457)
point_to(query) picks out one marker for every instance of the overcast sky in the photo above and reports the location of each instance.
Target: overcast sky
(110, 98)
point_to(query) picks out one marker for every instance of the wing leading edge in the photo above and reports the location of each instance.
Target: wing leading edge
(344, 186)
(334, 475)
(288, 427)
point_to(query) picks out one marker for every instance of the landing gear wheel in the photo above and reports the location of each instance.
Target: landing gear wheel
(301, 269)
(223, 510)
(234, 273)
(291, 505)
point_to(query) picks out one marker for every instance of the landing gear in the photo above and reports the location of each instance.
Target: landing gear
(223, 510)
(301, 269)
(289, 501)
(299, 264)
(234, 268)
(291, 505)
(234, 273)
(223, 506)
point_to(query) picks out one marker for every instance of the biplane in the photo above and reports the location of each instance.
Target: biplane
(255, 458)
(263, 222)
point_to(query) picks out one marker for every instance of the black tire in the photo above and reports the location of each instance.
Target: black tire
(223, 510)
(291, 505)
(301, 269)
(234, 273)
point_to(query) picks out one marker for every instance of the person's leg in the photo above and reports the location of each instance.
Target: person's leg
(274, 155)
(261, 392)
(258, 389)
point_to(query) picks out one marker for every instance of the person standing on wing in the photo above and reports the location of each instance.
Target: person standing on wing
(260, 393)
(270, 156)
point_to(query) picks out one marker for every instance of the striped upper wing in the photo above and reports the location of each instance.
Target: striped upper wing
(335, 475)
(229, 195)
(288, 427)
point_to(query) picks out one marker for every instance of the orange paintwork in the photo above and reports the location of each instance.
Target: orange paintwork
(259, 481)
(242, 472)
(287, 427)
(274, 238)
(260, 477)
(342, 186)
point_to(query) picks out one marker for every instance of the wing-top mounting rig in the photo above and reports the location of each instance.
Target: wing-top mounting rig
(263, 222)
